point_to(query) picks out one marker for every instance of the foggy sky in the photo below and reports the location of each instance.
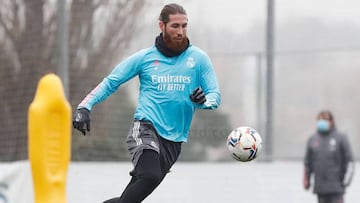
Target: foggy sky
(242, 14)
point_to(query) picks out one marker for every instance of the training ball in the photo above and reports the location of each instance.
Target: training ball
(244, 144)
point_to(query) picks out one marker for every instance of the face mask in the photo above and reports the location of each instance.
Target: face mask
(323, 126)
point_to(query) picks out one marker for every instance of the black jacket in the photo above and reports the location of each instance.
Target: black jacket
(330, 159)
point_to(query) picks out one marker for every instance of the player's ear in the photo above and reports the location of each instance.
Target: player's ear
(162, 26)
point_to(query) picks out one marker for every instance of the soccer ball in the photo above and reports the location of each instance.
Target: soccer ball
(244, 144)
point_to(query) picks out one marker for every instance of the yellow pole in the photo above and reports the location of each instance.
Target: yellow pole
(49, 130)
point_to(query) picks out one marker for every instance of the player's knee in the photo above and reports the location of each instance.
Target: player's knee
(151, 178)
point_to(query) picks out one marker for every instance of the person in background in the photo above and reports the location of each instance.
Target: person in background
(329, 158)
(176, 78)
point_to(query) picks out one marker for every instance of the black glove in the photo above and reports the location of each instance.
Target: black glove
(82, 117)
(198, 96)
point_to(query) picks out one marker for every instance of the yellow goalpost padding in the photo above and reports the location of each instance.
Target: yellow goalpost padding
(49, 131)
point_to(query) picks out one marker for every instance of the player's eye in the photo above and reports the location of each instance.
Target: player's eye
(175, 25)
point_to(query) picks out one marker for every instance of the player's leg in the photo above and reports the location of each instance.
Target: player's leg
(147, 176)
(337, 199)
(152, 157)
(117, 199)
(330, 199)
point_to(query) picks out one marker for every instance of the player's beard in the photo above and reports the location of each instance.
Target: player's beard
(176, 45)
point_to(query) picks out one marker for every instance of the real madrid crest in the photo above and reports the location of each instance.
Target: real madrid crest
(190, 62)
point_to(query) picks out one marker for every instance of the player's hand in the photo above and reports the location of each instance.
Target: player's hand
(80, 119)
(306, 184)
(198, 96)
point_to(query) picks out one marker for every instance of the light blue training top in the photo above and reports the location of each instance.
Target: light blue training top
(165, 86)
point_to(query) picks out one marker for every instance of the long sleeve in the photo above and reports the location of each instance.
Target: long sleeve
(123, 72)
(308, 165)
(209, 84)
(349, 164)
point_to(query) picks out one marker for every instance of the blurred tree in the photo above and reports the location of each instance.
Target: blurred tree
(99, 31)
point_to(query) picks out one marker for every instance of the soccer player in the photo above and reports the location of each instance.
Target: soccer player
(176, 78)
(329, 158)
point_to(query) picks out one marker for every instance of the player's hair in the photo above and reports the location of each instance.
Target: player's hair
(170, 9)
(328, 113)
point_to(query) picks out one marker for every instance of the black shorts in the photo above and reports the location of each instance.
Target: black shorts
(143, 136)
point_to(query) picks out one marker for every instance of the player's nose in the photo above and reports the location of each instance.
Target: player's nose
(180, 31)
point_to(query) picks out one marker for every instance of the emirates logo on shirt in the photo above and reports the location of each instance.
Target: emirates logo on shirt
(170, 82)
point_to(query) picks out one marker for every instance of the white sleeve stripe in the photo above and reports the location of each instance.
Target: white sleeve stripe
(349, 173)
